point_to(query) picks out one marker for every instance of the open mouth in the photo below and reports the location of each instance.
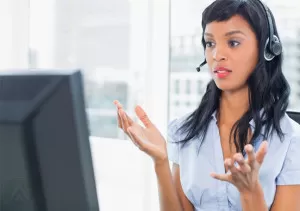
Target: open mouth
(222, 72)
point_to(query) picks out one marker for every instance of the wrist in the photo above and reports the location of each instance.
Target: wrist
(254, 199)
(254, 192)
(161, 163)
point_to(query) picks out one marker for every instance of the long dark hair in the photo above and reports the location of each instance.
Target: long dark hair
(268, 88)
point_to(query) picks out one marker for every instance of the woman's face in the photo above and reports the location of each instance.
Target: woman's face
(231, 52)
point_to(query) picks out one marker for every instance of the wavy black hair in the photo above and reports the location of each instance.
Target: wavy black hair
(268, 88)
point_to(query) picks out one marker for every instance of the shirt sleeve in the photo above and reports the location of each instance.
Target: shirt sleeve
(172, 142)
(290, 173)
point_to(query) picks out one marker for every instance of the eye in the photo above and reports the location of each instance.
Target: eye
(233, 43)
(209, 44)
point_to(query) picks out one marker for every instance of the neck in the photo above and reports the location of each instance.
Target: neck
(233, 106)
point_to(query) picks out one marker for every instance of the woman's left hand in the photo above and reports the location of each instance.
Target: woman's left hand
(245, 175)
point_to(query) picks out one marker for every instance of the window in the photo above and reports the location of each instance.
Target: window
(121, 47)
(177, 86)
(200, 87)
(289, 33)
(188, 87)
(13, 23)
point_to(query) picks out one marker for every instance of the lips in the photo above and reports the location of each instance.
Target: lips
(222, 72)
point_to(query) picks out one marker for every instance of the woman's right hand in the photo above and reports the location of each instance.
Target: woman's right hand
(148, 138)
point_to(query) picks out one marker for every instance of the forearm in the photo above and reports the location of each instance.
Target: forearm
(168, 197)
(254, 201)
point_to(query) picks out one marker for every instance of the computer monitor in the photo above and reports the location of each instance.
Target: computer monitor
(45, 155)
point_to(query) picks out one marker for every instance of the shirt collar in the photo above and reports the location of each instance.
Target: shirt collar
(251, 123)
(214, 116)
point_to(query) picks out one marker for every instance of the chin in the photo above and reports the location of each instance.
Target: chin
(226, 86)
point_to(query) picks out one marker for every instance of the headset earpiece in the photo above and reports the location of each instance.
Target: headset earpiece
(272, 49)
(268, 55)
(276, 46)
(273, 46)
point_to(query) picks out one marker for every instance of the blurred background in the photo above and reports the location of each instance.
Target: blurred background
(137, 51)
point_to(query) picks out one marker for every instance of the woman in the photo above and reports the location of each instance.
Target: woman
(238, 150)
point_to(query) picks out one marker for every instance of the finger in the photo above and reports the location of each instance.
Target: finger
(129, 120)
(125, 123)
(136, 139)
(132, 137)
(251, 155)
(120, 106)
(143, 116)
(123, 127)
(242, 165)
(119, 120)
(262, 151)
(230, 166)
(222, 177)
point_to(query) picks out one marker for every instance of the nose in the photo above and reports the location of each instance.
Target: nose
(219, 54)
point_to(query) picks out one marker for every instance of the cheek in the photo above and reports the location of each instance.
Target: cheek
(246, 61)
(209, 58)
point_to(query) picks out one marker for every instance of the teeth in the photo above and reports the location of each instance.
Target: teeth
(222, 71)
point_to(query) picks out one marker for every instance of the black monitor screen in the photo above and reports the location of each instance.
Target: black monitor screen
(45, 155)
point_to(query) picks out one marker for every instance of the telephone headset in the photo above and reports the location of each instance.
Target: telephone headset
(273, 46)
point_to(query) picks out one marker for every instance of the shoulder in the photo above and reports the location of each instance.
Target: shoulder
(291, 133)
(288, 146)
(174, 125)
(285, 147)
(290, 128)
(290, 171)
(174, 138)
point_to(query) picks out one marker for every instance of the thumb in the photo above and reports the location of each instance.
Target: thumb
(143, 116)
(260, 155)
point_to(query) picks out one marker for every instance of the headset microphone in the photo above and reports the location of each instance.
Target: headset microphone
(203, 63)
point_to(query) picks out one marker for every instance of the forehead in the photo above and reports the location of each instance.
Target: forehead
(236, 22)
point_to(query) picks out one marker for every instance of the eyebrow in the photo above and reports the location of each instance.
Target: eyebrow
(227, 34)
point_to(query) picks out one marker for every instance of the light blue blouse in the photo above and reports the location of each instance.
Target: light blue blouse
(281, 165)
